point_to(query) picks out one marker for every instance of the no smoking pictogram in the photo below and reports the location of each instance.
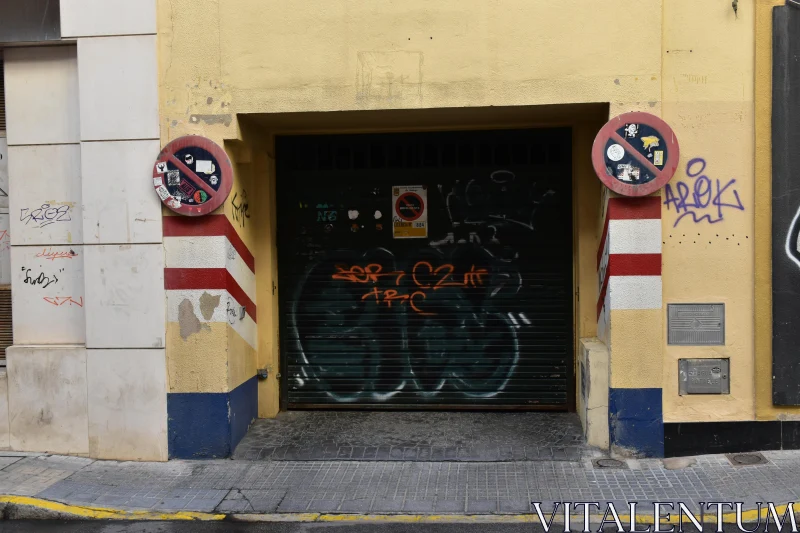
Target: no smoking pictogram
(409, 206)
(635, 154)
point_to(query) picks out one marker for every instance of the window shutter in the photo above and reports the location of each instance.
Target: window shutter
(6, 339)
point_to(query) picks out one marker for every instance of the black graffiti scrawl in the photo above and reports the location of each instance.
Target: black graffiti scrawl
(479, 312)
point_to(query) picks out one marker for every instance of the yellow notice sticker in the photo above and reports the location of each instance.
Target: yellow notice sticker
(410, 212)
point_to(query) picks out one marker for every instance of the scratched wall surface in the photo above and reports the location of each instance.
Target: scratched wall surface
(45, 225)
(48, 296)
(478, 311)
(707, 209)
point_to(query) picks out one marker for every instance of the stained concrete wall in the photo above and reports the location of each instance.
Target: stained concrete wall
(87, 372)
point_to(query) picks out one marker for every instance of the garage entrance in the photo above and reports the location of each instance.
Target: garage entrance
(426, 270)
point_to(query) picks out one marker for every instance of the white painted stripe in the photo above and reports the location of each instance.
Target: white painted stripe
(634, 236)
(634, 292)
(218, 312)
(195, 252)
(210, 252)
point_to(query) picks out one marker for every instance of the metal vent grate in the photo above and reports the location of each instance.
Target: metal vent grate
(609, 463)
(696, 324)
(2, 98)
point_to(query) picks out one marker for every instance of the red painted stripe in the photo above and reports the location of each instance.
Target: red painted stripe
(208, 226)
(602, 242)
(602, 297)
(628, 265)
(634, 265)
(207, 278)
(634, 208)
(180, 226)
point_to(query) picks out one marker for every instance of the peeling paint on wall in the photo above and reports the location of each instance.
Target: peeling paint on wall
(213, 119)
(188, 321)
(207, 305)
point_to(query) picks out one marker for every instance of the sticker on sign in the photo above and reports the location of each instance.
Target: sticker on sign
(163, 193)
(410, 212)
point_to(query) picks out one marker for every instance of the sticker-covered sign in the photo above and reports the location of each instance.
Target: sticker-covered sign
(192, 176)
(409, 212)
(635, 154)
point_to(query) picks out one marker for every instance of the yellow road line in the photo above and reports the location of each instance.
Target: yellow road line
(108, 513)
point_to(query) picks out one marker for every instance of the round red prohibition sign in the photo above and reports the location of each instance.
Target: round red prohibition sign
(193, 176)
(635, 154)
(409, 206)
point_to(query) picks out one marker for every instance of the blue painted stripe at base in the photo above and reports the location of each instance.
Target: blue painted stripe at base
(636, 421)
(198, 425)
(243, 408)
(205, 425)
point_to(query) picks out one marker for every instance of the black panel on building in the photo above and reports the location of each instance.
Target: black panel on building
(786, 206)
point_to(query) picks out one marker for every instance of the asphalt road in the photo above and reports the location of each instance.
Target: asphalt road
(291, 527)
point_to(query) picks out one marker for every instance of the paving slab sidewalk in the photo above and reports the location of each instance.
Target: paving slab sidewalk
(237, 486)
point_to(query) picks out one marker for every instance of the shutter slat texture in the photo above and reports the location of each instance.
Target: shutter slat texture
(2, 98)
(476, 314)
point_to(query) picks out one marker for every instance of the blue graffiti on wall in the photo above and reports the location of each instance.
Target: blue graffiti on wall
(703, 198)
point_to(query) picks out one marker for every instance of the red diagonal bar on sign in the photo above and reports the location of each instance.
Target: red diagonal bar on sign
(186, 170)
(413, 208)
(636, 154)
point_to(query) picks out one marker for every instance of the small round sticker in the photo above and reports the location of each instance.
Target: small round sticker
(615, 152)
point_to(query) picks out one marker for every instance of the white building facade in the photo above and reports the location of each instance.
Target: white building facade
(86, 374)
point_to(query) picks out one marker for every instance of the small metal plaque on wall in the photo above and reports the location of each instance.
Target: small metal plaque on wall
(696, 324)
(704, 376)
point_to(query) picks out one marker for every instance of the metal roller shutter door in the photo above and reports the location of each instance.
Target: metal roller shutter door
(478, 314)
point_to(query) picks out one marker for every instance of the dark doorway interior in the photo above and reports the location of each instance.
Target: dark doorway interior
(474, 313)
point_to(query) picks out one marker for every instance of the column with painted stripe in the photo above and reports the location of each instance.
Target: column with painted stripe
(211, 313)
(629, 311)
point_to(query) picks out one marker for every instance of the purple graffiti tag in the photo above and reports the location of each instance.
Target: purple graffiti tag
(705, 199)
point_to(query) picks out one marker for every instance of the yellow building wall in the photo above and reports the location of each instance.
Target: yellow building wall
(285, 66)
(708, 100)
(222, 59)
(252, 57)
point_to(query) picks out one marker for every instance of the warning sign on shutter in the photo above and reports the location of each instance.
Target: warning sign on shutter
(409, 212)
